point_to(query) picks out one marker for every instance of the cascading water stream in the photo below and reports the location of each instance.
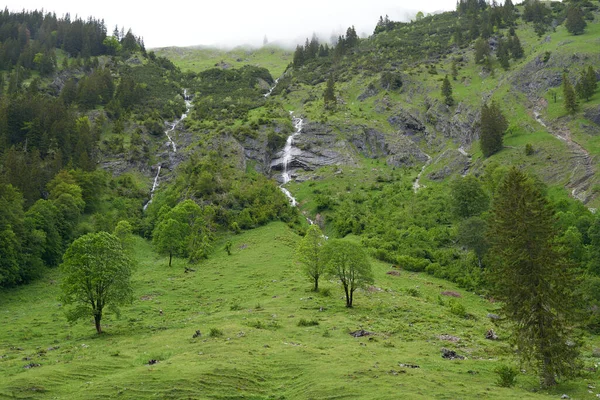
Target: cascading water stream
(288, 156)
(171, 142)
(273, 88)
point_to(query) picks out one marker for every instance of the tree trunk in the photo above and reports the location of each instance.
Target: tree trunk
(316, 289)
(97, 319)
(170, 257)
(348, 297)
(351, 297)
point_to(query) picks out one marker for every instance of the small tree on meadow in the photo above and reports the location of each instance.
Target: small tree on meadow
(310, 254)
(96, 274)
(169, 238)
(349, 263)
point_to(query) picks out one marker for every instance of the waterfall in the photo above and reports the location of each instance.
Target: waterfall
(154, 186)
(273, 88)
(286, 159)
(188, 106)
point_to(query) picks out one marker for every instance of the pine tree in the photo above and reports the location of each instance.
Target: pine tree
(329, 94)
(575, 23)
(531, 277)
(447, 91)
(514, 45)
(482, 50)
(503, 55)
(569, 95)
(298, 60)
(493, 125)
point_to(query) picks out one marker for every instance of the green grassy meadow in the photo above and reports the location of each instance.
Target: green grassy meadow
(198, 59)
(248, 307)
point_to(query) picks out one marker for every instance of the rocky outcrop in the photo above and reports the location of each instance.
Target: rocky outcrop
(450, 162)
(593, 114)
(317, 146)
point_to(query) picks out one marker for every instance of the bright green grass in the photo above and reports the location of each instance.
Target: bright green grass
(256, 297)
(275, 59)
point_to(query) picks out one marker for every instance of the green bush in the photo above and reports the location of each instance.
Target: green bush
(457, 308)
(412, 264)
(507, 376)
(528, 149)
(305, 322)
(215, 332)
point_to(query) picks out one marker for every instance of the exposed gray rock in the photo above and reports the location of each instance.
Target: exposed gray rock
(452, 161)
(593, 114)
(370, 91)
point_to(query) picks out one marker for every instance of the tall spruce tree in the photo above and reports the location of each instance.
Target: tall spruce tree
(532, 278)
(514, 45)
(493, 125)
(575, 23)
(569, 95)
(586, 85)
(503, 54)
(447, 91)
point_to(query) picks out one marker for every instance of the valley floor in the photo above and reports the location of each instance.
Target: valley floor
(232, 329)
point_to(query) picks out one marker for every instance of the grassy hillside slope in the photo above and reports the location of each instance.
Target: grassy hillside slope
(198, 59)
(248, 308)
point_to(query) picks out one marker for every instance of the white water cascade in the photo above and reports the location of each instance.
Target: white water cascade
(154, 186)
(171, 142)
(273, 88)
(288, 152)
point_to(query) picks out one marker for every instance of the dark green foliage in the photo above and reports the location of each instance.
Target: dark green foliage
(529, 149)
(348, 263)
(96, 274)
(575, 23)
(493, 126)
(471, 234)
(482, 50)
(532, 278)
(535, 11)
(225, 94)
(515, 48)
(468, 198)
(447, 91)
(569, 95)
(329, 98)
(586, 85)
(391, 80)
(507, 376)
(503, 54)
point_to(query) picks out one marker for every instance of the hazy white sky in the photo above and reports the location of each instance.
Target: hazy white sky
(236, 22)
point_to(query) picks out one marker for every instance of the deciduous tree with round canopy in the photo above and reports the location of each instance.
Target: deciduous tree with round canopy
(349, 263)
(96, 274)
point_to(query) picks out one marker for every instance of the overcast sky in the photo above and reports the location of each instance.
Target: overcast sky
(236, 22)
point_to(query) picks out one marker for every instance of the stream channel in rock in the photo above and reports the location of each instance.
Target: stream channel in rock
(170, 142)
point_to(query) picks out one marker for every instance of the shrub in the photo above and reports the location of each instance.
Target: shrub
(507, 376)
(305, 322)
(528, 149)
(457, 308)
(414, 292)
(412, 264)
(215, 332)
